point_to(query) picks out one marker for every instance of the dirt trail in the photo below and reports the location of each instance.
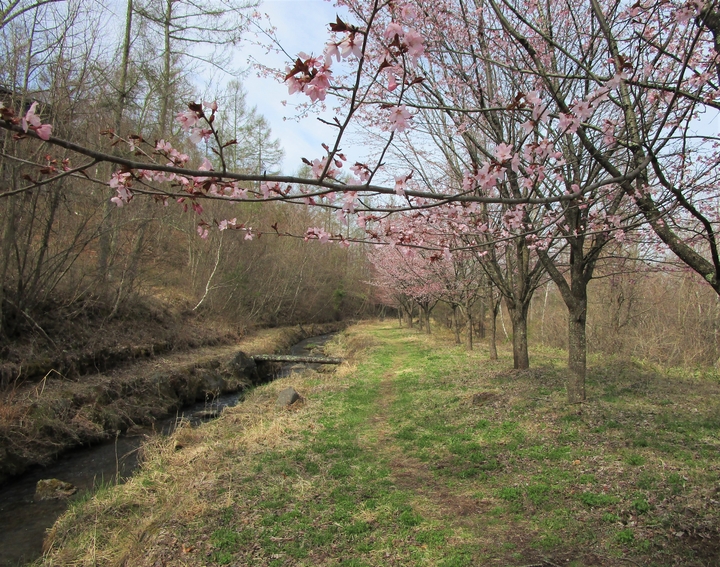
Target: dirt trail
(414, 475)
(465, 514)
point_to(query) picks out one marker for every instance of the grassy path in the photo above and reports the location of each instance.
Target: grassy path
(423, 454)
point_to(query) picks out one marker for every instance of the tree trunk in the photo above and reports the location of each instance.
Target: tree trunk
(409, 313)
(106, 227)
(518, 316)
(469, 330)
(167, 63)
(456, 324)
(425, 316)
(480, 320)
(493, 330)
(5, 250)
(577, 351)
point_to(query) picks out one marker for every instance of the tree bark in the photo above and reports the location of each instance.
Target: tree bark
(577, 351)
(456, 324)
(469, 330)
(8, 234)
(574, 295)
(426, 312)
(493, 330)
(481, 320)
(518, 316)
(106, 228)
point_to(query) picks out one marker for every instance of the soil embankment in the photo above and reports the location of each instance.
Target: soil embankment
(40, 420)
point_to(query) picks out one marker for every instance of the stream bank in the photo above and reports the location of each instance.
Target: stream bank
(39, 422)
(24, 519)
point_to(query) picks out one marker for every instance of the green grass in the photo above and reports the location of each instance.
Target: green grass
(425, 454)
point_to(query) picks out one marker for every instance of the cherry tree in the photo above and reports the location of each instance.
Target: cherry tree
(529, 125)
(463, 285)
(411, 276)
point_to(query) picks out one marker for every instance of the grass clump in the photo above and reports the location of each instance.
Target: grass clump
(420, 453)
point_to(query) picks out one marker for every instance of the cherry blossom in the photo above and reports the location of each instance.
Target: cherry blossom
(350, 46)
(504, 152)
(393, 29)
(44, 131)
(198, 135)
(399, 118)
(32, 121)
(415, 45)
(225, 224)
(187, 119)
(583, 110)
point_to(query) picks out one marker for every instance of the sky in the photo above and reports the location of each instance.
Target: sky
(301, 26)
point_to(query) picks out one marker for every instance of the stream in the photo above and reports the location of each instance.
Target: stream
(24, 521)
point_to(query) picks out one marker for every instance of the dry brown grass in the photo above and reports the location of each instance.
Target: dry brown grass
(184, 477)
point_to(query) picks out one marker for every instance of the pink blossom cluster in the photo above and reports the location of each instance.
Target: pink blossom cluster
(362, 172)
(189, 119)
(176, 158)
(315, 233)
(485, 178)
(350, 45)
(194, 186)
(32, 121)
(310, 75)
(514, 218)
(318, 166)
(408, 41)
(399, 118)
(121, 181)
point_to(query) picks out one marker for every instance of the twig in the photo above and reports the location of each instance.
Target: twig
(207, 285)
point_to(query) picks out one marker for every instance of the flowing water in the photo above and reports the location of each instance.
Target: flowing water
(24, 521)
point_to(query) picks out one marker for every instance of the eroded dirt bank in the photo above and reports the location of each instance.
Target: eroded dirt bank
(40, 420)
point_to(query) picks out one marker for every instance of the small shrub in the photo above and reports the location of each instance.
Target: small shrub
(625, 536)
(593, 500)
(510, 493)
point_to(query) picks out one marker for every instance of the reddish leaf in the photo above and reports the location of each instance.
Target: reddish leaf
(300, 67)
(338, 26)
